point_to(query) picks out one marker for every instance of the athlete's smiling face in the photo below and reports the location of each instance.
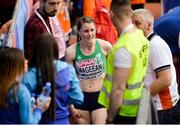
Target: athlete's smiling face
(87, 32)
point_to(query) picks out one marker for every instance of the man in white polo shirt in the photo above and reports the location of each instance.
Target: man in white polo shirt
(161, 75)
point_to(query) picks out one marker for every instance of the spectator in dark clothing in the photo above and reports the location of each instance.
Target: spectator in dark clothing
(40, 22)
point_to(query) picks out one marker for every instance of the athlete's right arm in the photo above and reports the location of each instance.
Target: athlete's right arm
(70, 53)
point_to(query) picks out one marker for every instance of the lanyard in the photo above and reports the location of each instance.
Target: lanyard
(126, 29)
(40, 17)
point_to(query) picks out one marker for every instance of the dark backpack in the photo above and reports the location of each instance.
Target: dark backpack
(104, 28)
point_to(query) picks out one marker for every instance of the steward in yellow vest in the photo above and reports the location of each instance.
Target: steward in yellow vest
(138, 46)
(126, 102)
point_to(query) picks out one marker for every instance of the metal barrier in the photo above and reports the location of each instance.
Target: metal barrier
(147, 113)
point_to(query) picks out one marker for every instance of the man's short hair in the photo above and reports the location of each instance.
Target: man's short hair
(120, 7)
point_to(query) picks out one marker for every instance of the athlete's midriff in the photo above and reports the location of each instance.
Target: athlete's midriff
(93, 85)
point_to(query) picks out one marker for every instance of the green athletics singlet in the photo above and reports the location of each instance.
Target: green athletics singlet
(90, 66)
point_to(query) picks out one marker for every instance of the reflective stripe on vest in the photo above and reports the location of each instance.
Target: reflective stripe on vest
(128, 86)
(105, 91)
(125, 101)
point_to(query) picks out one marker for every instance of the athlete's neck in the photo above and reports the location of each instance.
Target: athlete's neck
(89, 45)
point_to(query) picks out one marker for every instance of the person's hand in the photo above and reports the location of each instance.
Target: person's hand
(25, 65)
(109, 120)
(75, 114)
(5, 27)
(43, 105)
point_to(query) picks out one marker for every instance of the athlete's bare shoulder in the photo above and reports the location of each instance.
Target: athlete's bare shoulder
(105, 45)
(71, 53)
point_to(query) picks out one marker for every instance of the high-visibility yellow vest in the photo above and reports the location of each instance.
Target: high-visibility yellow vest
(138, 46)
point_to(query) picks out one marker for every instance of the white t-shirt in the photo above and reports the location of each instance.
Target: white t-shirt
(123, 58)
(160, 58)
